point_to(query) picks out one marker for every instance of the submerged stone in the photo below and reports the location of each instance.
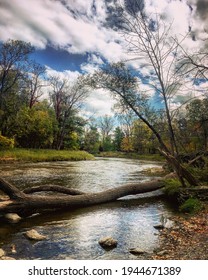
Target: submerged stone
(6, 258)
(12, 217)
(136, 251)
(34, 235)
(2, 253)
(108, 242)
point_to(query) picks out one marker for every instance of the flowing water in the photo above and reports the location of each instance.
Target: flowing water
(75, 234)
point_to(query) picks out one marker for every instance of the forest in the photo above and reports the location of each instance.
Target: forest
(38, 111)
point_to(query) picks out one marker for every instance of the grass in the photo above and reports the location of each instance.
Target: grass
(40, 155)
(151, 157)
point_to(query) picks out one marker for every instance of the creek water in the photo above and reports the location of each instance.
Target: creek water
(75, 234)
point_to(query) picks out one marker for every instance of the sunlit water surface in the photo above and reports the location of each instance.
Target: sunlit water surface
(75, 234)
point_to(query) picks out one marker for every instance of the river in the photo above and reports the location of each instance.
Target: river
(75, 234)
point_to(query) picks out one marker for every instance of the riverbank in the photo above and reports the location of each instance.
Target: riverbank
(186, 240)
(150, 157)
(39, 155)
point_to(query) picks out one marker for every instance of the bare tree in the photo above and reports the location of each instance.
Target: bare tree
(66, 98)
(151, 43)
(35, 81)
(123, 85)
(106, 125)
(195, 64)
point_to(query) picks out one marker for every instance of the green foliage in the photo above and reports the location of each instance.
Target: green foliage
(71, 142)
(191, 205)
(91, 140)
(107, 144)
(34, 128)
(172, 188)
(6, 143)
(118, 137)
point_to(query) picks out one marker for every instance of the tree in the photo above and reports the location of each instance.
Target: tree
(141, 137)
(118, 137)
(194, 64)
(66, 98)
(106, 124)
(13, 63)
(127, 145)
(34, 127)
(197, 115)
(151, 43)
(91, 141)
(123, 86)
(34, 83)
(26, 202)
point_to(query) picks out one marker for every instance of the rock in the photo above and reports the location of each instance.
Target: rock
(162, 253)
(136, 251)
(169, 223)
(108, 242)
(13, 249)
(2, 253)
(159, 227)
(34, 235)
(7, 258)
(12, 217)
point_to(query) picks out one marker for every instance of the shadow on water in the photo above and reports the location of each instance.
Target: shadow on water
(75, 234)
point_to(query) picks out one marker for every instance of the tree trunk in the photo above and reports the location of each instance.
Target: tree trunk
(26, 203)
(182, 172)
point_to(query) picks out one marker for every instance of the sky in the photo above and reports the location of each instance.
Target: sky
(77, 36)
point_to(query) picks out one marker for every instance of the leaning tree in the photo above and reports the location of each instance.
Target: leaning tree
(153, 48)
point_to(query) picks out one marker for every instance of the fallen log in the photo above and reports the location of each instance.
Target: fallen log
(26, 202)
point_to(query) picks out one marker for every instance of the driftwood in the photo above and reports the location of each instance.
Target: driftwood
(27, 202)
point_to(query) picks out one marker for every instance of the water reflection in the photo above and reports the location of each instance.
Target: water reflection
(75, 234)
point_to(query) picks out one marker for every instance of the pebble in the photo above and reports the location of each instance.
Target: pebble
(136, 251)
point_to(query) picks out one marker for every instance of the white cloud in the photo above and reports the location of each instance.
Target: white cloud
(77, 26)
(66, 74)
(74, 26)
(100, 103)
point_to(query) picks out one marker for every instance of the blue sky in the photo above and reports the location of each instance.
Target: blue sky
(59, 59)
(72, 36)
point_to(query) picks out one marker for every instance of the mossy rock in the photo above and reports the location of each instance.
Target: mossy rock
(191, 205)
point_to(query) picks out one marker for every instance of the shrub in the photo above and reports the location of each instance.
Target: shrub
(6, 143)
(172, 187)
(191, 205)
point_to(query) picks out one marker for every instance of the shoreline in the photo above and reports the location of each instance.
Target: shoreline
(149, 157)
(38, 155)
(186, 240)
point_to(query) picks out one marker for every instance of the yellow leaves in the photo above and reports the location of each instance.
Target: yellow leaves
(126, 144)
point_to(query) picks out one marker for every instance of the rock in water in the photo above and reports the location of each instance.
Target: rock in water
(34, 235)
(12, 217)
(2, 253)
(159, 227)
(6, 258)
(108, 242)
(136, 251)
